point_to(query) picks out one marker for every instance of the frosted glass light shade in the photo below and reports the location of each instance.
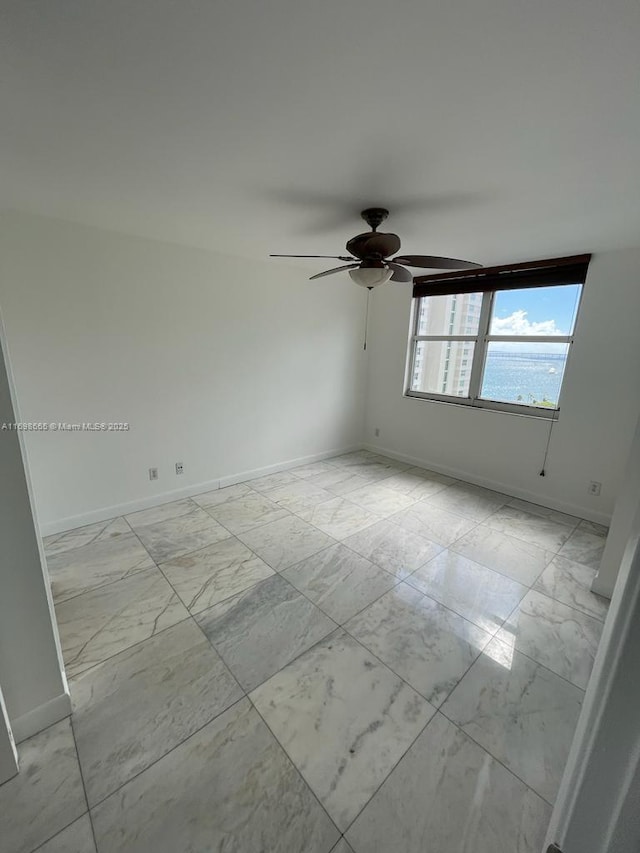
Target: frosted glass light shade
(371, 276)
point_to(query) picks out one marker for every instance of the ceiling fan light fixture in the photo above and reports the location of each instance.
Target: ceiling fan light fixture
(371, 276)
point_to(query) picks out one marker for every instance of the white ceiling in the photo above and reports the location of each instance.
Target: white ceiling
(494, 129)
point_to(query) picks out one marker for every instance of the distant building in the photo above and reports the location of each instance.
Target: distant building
(444, 367)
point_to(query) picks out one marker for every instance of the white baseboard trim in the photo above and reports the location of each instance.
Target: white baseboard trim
(105, 513)
(232, 479)
(41, 717)
(522, 494)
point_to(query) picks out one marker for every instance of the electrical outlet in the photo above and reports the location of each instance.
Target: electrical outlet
(376, 432)
(595, 488)
(153, 473)
(179, 468)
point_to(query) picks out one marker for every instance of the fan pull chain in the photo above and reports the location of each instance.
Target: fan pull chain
(366, 319)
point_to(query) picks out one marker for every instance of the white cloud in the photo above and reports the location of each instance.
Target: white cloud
(518, 324)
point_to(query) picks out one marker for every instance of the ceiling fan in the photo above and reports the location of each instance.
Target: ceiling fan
(370, 256)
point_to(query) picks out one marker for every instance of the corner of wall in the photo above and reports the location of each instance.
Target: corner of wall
(42, 717)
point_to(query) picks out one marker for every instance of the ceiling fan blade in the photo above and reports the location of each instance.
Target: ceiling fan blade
(434, 263)
(399, 273)
(332, 257)
(334, 270)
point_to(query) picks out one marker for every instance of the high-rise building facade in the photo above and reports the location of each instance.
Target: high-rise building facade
(444, 367)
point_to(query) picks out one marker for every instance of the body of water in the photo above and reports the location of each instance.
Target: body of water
(529, 378)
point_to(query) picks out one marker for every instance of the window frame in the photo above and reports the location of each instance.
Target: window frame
(481, 343)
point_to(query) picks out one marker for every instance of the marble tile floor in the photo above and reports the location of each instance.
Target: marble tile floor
(355, 656)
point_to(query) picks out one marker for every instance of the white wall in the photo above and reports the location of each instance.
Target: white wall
(229, 366)
(627, 509)
(31, 675)
(599, 407)
(223, 364)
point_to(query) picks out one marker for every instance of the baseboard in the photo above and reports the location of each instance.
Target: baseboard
(522, 494)
(41, 717)
(232, 479)
(105, 513)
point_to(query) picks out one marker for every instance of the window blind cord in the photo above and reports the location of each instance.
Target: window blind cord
(543, 472)
(555, 416)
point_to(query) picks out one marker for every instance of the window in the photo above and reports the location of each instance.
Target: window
(500, 346)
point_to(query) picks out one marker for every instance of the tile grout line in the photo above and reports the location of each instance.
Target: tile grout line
(60, 831)
(138, 642)
(438, 707)
(93, 666)
(208, 642)
(211, 516)
(561, 603)
(199, 627)
(388, 518)
(156, 564)
(84, 787)
(190, 615)
(193, 616)
(394, 768)
(291, 761)
(401, 677)
(341, 626)
(525, 541)
(279, 571)
(168, 752)
(245, 695)
(493, 634)
(285, 509)
(398, 579)
(357, 613)
(533, 660)
(497, 760)
(130, 574)
(390, 668)
(253, 527)
(538, 664)
(532, 587)
(461, 730)
(338, 467)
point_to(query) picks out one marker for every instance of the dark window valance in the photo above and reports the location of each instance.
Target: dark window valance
(553, 271)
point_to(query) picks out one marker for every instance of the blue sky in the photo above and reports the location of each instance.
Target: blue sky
(541, 305)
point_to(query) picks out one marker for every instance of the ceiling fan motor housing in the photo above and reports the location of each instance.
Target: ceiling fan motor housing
(373, 245)
(374, 216)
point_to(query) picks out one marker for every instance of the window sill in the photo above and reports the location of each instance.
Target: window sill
(529, 412)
